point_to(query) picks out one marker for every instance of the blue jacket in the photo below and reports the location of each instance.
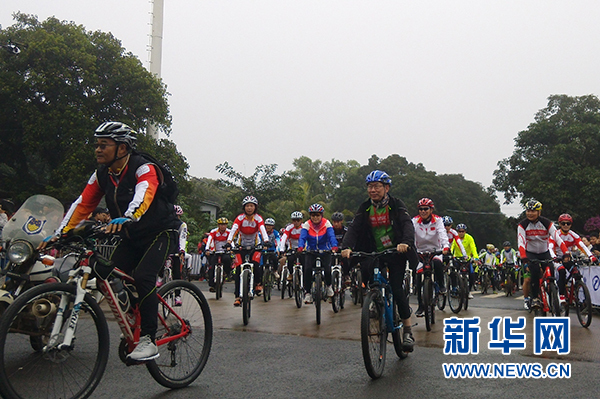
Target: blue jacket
(317, 238)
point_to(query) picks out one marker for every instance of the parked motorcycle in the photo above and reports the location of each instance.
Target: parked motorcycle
(35, 220)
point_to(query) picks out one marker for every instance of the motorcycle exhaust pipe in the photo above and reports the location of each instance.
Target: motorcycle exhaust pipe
(43, 308)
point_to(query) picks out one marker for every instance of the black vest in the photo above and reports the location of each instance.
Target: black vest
(160, 215)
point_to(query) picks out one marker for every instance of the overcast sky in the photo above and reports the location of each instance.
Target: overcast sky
(448, 84)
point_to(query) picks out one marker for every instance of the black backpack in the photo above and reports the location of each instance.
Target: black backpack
(168, 185)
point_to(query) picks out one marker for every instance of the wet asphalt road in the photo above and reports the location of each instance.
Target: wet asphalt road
(282, 353)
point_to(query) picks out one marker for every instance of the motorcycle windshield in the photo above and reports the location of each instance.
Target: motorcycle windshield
(35, 220)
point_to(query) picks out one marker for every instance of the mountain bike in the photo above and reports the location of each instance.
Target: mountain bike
(510, 281)
(269, 268)
(337, 284)
(430, 287)
(298, 282)
(456, 286)
(318, 289)
(356, 284)
(247, 279)
(286, 284)
(484, 278)
(219, 277)
(578, 296)
(54, 339)
(548, 290)
(379, 317)
(464, 268)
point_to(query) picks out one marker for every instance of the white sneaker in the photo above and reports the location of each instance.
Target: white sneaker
(329, 291)
(308, 298)
(470, 296)
(145, 350)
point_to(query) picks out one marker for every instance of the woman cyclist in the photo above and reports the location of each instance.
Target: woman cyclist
(317, 234)
(248, 225)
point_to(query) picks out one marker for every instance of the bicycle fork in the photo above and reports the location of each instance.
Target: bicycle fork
(64, 302)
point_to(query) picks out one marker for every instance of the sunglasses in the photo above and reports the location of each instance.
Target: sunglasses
(565, 223)
(424, 209)
(315, 214)
(461, 231)
(296, 220)
(103, 146)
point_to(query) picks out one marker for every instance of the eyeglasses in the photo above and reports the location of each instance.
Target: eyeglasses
(424, 209)
(371, 186)
(565, 223)
(103, 146)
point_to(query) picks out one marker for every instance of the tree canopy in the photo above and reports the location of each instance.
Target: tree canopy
(63, 83)
(340, 186)
(556, 159)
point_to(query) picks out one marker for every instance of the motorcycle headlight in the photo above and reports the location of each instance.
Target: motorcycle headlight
(20, 252)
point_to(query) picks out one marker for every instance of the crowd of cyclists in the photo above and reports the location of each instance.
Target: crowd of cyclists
(151, 229)
(383, 222)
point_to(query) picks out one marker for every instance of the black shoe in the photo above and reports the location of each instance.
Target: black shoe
(408, 342)
(419, 312)
(211, 289)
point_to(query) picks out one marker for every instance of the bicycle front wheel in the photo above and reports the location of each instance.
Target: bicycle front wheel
(373, 334)
(428, 302)
(267, 282)
(181, 361)
(455, 293)
(318, 290)
(336, 284)
(583, 304)
(219, 282)
(554, 302)
(441, 298)
(297, 290)
(29, 370)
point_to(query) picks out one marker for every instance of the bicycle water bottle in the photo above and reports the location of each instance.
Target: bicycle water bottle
(121, 293)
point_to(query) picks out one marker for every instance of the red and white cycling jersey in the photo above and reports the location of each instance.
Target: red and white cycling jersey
(248, 229)
(217, 240)
(534, 236)
(292, 234)
(572, 241)
(430, 236)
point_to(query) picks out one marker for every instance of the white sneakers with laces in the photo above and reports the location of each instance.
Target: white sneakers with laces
(308, 298)
(145, 350)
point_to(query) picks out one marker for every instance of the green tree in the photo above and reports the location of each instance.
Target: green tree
(55, 92)
(556, 159)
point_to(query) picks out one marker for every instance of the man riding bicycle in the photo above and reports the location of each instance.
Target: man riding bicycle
(143, 217)
(217, 238)
(533, 233)
(382, 222)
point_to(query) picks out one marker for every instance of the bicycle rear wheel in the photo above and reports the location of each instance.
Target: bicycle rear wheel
(583, 304)
(72, 372)
(455, 292)
(335, 284)
(245, 297)
(181, 361)
(317, 291)
(373, 334)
